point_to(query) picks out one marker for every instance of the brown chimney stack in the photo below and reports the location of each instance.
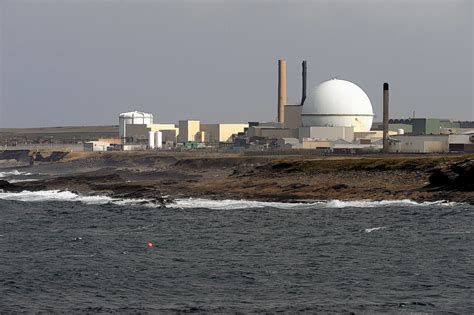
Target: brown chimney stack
(281, 90)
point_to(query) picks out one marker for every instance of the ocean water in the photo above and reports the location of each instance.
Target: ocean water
(61, 252)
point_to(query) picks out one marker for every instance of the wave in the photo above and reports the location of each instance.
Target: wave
(13, 181)
(64, 195)
(14, 173)
(193, 203)
(375, 229)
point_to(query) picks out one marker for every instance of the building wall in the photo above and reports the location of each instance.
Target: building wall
(459, 139)
(456, 131)
(160, 127)
(420, 144)
(203, 137)
(311, 144)
(426, 126)
(188, 130)
(227, 130)
(288, 143)
(449, 124)
(111, 140)
(96, 146)
(169, 135)
(327, 133)
(222, 132)
(213, 132)
(406, 127)
(139, 133)
(277, 133)
(293, 116)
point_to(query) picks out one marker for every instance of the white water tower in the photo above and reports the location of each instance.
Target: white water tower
(132, 118)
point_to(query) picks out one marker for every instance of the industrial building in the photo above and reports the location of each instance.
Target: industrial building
(96, 146)
(334, 110)
(138, 130)
(336, 116)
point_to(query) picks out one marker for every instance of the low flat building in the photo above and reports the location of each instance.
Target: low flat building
(96, 146)
(419, 144)
(461, 143)
(315, 144)
(138, 134)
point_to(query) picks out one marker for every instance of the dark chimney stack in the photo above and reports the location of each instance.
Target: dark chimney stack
(303, 82)
(385, 117)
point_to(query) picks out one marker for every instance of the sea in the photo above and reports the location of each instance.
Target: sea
(61, 252)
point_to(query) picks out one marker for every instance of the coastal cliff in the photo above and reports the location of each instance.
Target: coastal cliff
(160, 176)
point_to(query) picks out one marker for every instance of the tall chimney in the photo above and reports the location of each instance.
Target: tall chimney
(303, 82)
(385, 117)
(281, 90)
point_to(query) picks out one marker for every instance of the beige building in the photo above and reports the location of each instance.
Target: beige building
(222, 132)
(315, 144)
(188, 130)
(139, 133)
(272, 133)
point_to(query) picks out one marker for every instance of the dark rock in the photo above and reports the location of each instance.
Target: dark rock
(7, 186)
(453, 176)
(340, 186)
(55, 156)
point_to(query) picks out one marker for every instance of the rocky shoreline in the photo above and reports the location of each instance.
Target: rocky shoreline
(161, 177)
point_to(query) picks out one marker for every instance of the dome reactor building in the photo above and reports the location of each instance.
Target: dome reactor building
(338, 103)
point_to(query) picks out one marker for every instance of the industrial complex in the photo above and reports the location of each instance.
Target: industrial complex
(336, 116)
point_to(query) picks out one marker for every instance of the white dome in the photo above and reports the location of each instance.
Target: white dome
(338, 103)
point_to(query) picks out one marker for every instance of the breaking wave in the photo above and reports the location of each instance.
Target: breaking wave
(13, 173)
(64, 195)
(245, 204)
(193, 203)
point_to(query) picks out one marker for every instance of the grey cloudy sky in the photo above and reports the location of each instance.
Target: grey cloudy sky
(81, 62)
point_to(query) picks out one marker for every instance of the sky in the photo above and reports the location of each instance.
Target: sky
(82, 62)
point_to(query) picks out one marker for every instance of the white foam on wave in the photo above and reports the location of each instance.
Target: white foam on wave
(247, 204)
(235, 204)
(53, 195)
(375, 229)
(13, 181)
(64, 195)
(384, 203)
(13, 173)
(193, 203)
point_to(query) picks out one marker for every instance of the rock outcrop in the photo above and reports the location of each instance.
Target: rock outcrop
(453, 176)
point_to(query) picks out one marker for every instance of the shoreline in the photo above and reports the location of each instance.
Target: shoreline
(151, 175)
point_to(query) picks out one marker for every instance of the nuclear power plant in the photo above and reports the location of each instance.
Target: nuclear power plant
(335, 116)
